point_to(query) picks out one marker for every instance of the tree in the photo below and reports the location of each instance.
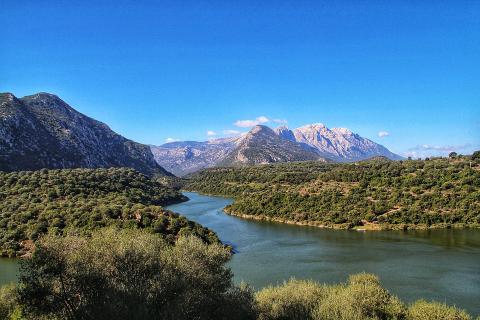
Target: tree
(130, 274)
(422, 310)
(452, 155)
(476, 155)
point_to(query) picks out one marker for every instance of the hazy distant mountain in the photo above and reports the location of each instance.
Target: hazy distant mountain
(185, 157)
(264, 145)
(339, 144)
(42, 131)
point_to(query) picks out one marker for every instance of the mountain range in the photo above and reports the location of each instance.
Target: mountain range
(265, 145)
(42, 131)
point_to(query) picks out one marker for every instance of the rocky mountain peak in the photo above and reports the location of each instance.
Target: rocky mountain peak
(343, 131)
(313, 126)
(260, 129)
(7, 96)
(48, 102)
(285, 133)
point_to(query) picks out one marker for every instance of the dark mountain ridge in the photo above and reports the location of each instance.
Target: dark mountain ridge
(42, 131)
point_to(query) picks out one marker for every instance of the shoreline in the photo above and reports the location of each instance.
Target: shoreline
(346, 226)
(343, 226)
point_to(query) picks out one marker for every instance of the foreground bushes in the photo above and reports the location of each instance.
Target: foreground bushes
(422, 310)
(361, 298)
(132, 274)
(129, 275)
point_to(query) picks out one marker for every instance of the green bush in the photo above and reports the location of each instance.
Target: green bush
(130, 274)
(423, 310)
(295, 299)
(9, 308)
(361, 298)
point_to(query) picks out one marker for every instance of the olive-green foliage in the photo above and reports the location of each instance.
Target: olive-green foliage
(8, 302)
(439, 191)
(130, 274)
(361, 298)
(34, 203)
(422, 310)
(295, 299)
(476, 156)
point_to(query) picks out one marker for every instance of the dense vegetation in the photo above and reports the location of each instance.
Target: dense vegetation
(378, 193)
(34, 203)
(133, 274)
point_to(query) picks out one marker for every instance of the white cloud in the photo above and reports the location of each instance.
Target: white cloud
(231, 132)
(280, 121)
(251, 123)
(262, 119)
(211, 133)
(383, 134)
(171, 140)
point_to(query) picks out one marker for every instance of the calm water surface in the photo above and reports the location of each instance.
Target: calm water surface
(443, 265)
(8, 271)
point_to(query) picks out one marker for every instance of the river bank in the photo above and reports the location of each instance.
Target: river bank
(366, 226)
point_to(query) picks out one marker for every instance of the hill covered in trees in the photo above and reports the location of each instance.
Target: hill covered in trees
(78, 201)
(378, 193)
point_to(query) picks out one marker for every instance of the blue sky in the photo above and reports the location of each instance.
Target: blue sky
(155, 70)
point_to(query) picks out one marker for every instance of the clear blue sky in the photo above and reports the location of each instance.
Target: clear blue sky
(154, 70)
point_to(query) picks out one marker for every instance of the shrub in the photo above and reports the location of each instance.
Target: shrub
(130, 274)
(361, 298)
(423, 310)
(9, 308)
(295, 299)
